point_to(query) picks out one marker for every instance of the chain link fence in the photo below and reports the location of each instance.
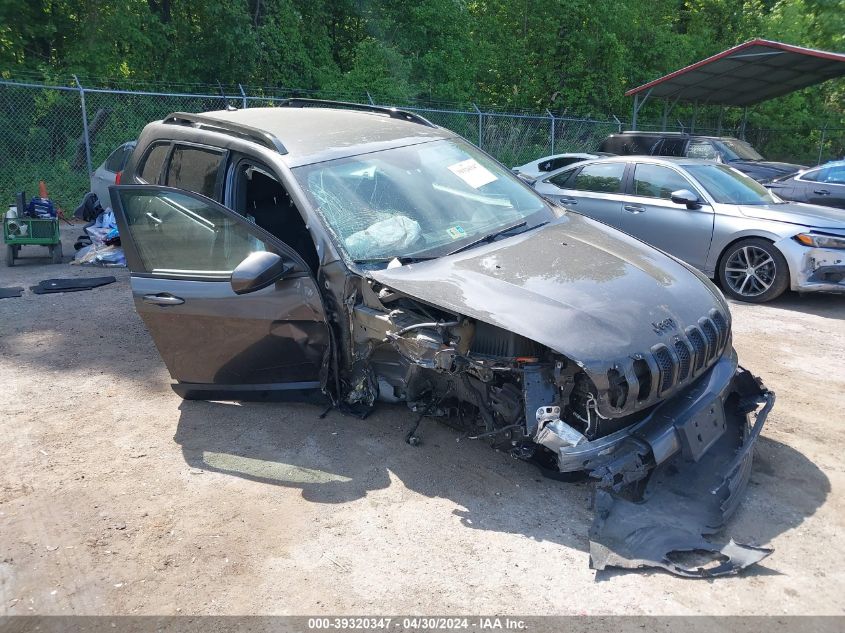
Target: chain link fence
(60, 134)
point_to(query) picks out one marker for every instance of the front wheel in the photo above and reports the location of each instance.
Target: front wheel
(753, 270)
(10, 255)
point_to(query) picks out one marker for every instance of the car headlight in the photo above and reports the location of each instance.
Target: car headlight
(820, 241)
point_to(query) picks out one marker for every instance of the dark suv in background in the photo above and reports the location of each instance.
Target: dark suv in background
(724, 149)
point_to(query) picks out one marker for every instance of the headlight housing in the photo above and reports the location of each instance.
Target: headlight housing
(819, 240)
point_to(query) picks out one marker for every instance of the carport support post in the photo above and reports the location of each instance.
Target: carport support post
(635, 112)
(742, 125)
(552, 132)
(84, 126)
(665, 114)
(637, 106)
(694, 115)
(821, 144)
(480, 124)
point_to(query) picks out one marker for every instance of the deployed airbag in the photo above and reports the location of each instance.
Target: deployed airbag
(382, 238)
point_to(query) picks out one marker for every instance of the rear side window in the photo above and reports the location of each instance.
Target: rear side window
(117, 159)
(603, 178)
(672, 147)
(153, 162)
(833, 175)
(656, 181)
(194, 169)
(561, 179)
(702, 149)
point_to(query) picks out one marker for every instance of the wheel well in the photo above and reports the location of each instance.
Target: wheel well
(739, 239)
(748, 237)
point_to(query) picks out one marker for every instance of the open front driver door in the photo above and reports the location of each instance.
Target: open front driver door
(181, 249)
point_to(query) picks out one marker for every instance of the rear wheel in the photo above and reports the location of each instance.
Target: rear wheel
(753, 270)
(56, 253)
(11, 251)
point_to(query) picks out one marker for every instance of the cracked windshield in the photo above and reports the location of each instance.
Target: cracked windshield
(419, 201)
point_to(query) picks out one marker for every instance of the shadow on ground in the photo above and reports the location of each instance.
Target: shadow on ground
(826, 305)
(341, 459)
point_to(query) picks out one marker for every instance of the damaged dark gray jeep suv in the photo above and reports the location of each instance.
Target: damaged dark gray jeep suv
(369, 255)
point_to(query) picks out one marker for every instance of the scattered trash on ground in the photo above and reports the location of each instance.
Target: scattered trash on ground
(100, 245)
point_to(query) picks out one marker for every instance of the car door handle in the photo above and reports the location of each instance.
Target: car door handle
(821, 192)
(163, 300)
(633, 208)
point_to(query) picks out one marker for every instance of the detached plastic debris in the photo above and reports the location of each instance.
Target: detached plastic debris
(49, 286)
(9, 293)
(384, 237)
(683, 504)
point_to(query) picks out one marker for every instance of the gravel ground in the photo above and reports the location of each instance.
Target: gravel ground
(116, 497)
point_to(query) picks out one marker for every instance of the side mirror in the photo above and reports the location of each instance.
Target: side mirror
(258, 271)
(687, 197)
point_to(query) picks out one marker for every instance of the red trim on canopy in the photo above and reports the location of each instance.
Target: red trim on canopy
(777, 46)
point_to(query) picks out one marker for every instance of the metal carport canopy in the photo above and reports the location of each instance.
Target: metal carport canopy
(745, 75)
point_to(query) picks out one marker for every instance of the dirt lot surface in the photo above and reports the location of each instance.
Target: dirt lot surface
(116, 497)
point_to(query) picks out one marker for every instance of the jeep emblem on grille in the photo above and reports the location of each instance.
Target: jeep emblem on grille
(664, 326)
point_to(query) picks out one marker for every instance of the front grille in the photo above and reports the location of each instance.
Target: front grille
(684, 359)
(699, 347)
(665, 368)
(721, 326)
(712, 337)
(669, 365)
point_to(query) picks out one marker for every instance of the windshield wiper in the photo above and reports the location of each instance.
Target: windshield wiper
(492, 236)
(404, 259)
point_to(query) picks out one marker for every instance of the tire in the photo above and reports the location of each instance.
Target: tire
(56, 253)
(10, 255)
(769, 272)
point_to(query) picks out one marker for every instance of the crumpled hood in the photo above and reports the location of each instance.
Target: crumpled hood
(764, 169)
(576, 286)
(797, 213)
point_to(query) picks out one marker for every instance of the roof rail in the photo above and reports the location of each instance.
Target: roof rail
(248, 132)
(656, 133)
(393, 113)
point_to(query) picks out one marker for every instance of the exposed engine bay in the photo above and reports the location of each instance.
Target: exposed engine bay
(499, 385)
(618, 426)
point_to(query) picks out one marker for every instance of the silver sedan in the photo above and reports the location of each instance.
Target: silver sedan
(713, 217)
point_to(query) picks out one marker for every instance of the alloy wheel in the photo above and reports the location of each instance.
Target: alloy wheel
(750, 271)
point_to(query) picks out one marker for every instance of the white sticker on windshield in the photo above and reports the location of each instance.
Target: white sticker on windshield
(472, 173)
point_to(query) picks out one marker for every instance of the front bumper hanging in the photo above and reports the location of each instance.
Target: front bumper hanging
(695, 454)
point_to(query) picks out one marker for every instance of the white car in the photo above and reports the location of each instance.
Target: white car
(107, 173)
(537, 168)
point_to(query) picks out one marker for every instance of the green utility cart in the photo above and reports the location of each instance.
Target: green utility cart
(25, 231)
